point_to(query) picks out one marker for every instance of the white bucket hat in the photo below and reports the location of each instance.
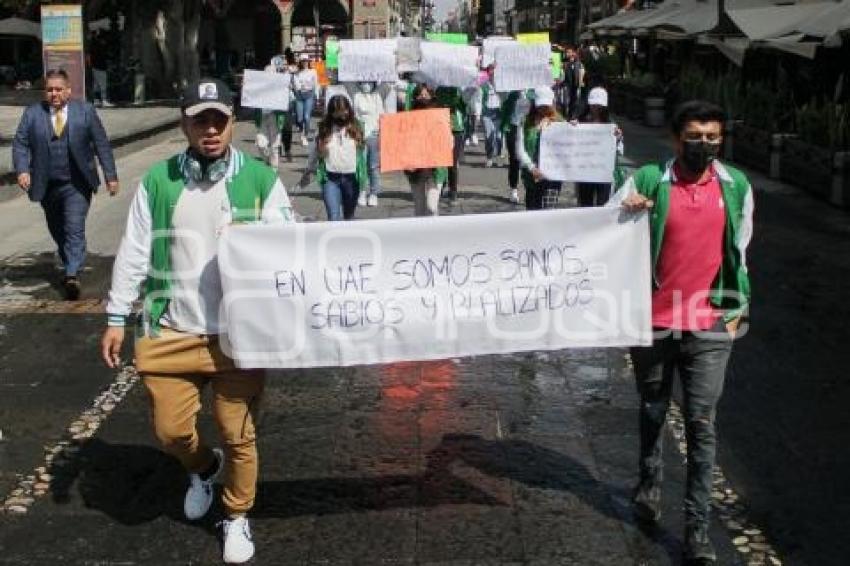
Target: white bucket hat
(544, 96)
(597, 96)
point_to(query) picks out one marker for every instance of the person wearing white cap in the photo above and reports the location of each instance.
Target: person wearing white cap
(539, 192)
(596, 112)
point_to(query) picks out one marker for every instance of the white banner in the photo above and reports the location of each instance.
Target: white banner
(583, 153)
(367, 60)
(446, 64)
(488, 48)
(380, 291)
(269, 91)
(408, 54)
(522, 66)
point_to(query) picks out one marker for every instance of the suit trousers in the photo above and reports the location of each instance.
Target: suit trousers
(65, 208)
(175, 368)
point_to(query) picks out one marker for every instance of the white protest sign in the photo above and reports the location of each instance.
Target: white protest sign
(381, 291)
(584, 153)
(269, 91)
(446, 64)
(522, 66)
(367, 60)
(488, 48)
(408, 54)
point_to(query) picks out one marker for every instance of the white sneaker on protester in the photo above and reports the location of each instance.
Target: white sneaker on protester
(488, 163)
(474, 139)
(303, 140)
(199, 496)
(467, 142)
(361, 200)
(515, 196)
(373, 200)
(238, 544)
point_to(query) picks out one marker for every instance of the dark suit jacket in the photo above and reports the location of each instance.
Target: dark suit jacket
(86, 138)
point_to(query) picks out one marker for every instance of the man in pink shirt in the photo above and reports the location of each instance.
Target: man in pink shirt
(701, 224)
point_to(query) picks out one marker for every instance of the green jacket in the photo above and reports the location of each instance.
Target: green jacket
(730, 290)
(247, 190)
(451, 98)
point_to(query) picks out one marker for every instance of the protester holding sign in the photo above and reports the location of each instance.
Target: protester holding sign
(701, 223)
(369, 105)
(425, 184)
(597, 194)
(274, 127)
(472, 99)
(339, 159)
(540, 192)
(452, 98)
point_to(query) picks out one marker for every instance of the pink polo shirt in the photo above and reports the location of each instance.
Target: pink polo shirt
(690, 257)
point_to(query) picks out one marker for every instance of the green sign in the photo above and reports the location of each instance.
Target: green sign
(332, 54)
(557, 62)
(455, 38)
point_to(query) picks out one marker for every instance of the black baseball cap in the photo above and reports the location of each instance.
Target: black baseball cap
(207, 94)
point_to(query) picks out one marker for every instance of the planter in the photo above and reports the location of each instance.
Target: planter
(752, 147)
(808, 166)
(654, 111)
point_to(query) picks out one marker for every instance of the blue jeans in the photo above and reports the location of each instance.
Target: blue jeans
(492, 132)
(340, 194)
(65, 208)
(700, 361)
(304, 103)
(373, 154)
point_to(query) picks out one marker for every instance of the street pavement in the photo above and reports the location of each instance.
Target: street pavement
(511, 459)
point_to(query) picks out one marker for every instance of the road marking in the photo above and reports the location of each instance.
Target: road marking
(60, 456)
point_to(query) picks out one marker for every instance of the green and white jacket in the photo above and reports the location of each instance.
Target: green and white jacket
(730, 290)
(251, 192)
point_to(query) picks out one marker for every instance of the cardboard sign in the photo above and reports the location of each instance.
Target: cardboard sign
(533, 38)
(368, 60)
(584, 153)
(444, 64)
(522, 66)
(488, 49)
(332, 54)
(262, 89)
(453, 38)
(332, 294)
(420, 139)
(557, 63)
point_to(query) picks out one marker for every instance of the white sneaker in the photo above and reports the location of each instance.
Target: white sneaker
(238, 545)
(515, 196)
(373, 200)
(303, 140)
(474, 139)
(199, 496)
(467, 142)
(361, 200)
(488, 163)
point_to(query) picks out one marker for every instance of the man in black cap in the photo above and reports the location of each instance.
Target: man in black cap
(180, 209)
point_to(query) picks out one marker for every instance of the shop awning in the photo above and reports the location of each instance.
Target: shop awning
(18, 26)
(772, 19)
(679, 18)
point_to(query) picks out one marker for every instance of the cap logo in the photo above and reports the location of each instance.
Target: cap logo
(208, 91)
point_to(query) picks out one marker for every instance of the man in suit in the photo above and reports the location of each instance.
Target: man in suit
(53, 154)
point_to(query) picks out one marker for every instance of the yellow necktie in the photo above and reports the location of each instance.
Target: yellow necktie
(59, 125)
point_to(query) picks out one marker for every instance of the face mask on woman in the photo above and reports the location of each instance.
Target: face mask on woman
(366, 88)
(340, 118)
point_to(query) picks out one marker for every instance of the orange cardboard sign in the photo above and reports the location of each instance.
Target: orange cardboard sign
(321, 73)
(420, 139)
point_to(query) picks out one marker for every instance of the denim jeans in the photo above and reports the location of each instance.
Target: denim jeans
(340, 194)
(65, 208)
(700, 360)
(304, 103)
(492, 133)
(373, 154)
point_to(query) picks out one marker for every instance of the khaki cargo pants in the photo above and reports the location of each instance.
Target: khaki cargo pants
(175, 367)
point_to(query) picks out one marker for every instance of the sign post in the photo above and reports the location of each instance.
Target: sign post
(62, 41)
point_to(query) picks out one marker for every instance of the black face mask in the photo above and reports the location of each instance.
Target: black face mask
(340, 119)
(698, 155)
